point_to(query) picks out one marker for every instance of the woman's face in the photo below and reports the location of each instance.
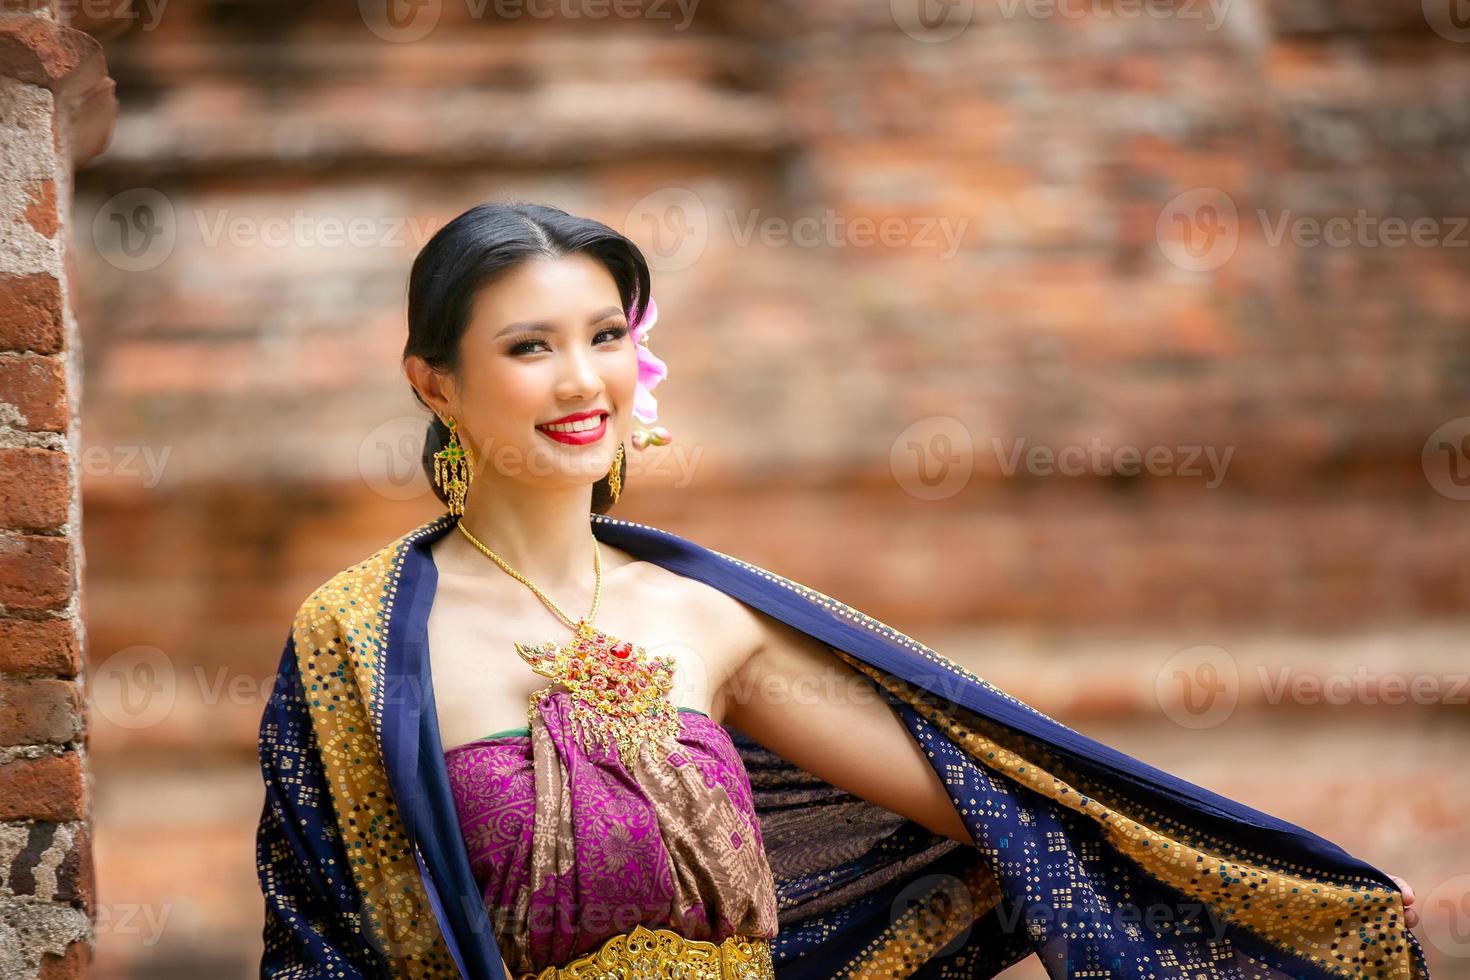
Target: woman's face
(547, 340)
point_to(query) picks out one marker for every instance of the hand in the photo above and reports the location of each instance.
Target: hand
(1411, 914)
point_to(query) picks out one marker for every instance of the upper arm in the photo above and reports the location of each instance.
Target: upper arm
(793, 695)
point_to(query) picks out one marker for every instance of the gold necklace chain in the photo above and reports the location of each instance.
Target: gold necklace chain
(596, 588)
(616, 692)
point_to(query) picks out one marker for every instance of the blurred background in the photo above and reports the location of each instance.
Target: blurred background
(1119, 350)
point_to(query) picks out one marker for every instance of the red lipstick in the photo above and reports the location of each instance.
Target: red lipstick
(580, 438)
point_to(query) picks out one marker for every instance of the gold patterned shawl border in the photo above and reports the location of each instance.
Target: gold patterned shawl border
(659, 953)
(340, 636)
(932, 920)
(1367, 904)
(1343, 929)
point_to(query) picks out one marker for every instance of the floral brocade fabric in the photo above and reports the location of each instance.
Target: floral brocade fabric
(571, 846)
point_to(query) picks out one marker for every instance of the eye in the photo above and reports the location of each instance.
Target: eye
(517, 348)
(611, 333)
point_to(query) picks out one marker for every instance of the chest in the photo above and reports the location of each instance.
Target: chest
(482, 685)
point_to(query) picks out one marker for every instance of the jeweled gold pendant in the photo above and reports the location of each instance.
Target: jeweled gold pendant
(619, 692)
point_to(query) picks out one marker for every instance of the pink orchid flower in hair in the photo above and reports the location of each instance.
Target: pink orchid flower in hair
(651, 370)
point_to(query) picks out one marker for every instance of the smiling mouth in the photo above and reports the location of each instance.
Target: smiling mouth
(582, 432)
(588, 424)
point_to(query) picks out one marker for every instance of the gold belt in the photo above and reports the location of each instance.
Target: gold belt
(657, 954)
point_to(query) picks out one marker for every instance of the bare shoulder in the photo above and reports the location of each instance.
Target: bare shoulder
(711, 612)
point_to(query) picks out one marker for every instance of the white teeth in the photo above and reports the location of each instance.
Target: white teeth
(582, 425)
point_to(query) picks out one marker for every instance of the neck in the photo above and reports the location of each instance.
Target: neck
(544, 534)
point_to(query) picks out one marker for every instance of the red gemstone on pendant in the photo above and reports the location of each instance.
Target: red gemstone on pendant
(622, 650)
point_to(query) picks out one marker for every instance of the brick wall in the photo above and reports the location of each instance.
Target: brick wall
(56, 106)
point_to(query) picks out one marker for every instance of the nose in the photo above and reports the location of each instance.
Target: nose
(579, 377)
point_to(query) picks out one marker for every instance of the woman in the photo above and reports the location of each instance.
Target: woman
(721, 773)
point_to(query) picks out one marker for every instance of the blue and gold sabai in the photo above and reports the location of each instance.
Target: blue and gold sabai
(1098, 863)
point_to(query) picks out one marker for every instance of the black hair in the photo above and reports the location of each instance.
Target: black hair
(475, 249)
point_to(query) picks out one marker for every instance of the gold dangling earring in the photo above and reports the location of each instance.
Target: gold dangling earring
(615, 475)
(454, 469)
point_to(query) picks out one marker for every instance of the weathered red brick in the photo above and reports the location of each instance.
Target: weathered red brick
(41, 207)
(35, 489)
(74, 964)
(39, 647)
(30, 313)
(40, 51)
(76, 876)
(36, 385)
(48, 788)
(35, 571)
(37, 711)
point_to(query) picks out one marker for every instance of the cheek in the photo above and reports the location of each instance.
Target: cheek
(503, 394)
(623, 377)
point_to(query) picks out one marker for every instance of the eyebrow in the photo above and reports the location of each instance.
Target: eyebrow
(540, 326)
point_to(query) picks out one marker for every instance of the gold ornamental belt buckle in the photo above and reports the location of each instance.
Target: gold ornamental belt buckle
(662, 954)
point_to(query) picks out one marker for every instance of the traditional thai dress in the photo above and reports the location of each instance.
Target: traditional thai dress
(570, 846)
(382, 855)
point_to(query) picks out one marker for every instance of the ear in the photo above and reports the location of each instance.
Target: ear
(435, 387)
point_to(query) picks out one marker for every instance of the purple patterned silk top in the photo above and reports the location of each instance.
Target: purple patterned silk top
(571, 847)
